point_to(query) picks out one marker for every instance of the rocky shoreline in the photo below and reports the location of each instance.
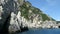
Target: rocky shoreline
(20, 16)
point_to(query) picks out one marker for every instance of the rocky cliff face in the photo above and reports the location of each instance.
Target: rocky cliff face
(17, 14)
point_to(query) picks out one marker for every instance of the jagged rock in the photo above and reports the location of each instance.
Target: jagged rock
(20, 15)
(5, 21)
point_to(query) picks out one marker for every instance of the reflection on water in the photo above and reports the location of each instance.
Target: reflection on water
(43, 31)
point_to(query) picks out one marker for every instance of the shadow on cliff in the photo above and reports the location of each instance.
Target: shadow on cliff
(4, 29)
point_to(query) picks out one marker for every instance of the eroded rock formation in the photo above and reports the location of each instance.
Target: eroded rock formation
(20, 15)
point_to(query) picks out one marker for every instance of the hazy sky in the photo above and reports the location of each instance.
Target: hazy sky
(50, 7)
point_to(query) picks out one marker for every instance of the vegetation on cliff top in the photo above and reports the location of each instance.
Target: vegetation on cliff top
(28, 6)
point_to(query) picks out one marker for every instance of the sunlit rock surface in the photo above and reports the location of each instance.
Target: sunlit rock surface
(1, 11)
(20, 15)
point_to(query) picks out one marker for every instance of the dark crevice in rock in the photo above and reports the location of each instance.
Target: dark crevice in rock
(24, 29)
(59, 26)
(5, 26)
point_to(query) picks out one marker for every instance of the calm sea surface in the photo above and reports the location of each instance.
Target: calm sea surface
(42, 31)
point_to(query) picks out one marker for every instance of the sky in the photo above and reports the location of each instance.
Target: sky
(49, 7)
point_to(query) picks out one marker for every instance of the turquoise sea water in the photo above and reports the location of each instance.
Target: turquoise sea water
(42, 31)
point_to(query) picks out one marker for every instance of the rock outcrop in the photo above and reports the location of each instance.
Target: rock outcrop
(20, 15)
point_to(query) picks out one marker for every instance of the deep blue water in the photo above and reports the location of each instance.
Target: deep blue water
(43, 31)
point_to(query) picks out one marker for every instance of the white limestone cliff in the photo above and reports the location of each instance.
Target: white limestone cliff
(17, 21)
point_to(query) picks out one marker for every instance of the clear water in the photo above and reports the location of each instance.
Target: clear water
(43, 31)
